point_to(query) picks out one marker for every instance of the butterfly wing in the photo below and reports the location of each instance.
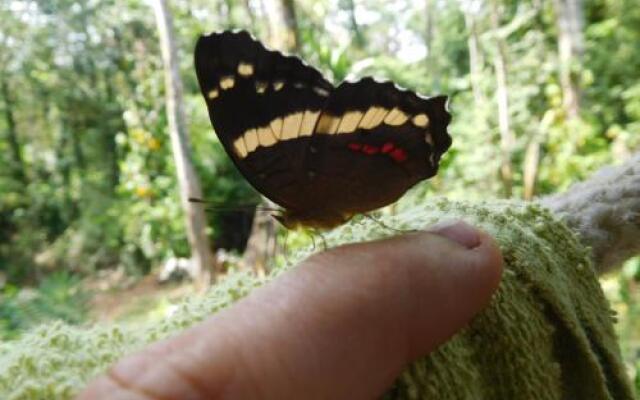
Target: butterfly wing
(323, 153)
(373, 142)
(258, 98)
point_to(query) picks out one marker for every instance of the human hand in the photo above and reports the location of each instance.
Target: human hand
(342, 325)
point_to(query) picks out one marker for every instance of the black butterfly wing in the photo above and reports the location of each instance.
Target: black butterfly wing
(258, 98)
(373, 142)
(323, 153)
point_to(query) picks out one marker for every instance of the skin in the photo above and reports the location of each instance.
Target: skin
(342, 325)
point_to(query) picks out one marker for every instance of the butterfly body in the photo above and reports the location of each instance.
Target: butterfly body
(323, 153)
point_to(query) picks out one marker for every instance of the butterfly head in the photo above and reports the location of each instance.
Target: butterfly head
(293, 219)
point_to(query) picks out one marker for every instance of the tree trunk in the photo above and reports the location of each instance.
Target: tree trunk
(264, 11)
(475, 58)
(358, 37)
(261, 243)
(530, 168)
(570, 21)
(281, 15)
(507, 139)
(532, 155)
(64, 163)
(604, 211)
(201, 257)
(248, 9)
(282, 28)
(116, 124)
(78, 153)
(432, 64)
(18, 167)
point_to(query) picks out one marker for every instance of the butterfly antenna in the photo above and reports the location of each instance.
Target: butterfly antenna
(285, 246)
(385, 226)
(213, 206)
(325, 246)
(313, 233)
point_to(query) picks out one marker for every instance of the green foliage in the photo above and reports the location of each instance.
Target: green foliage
(615, 100)
(622, 291)
(58, 297)
(90, 184)
(101, 188)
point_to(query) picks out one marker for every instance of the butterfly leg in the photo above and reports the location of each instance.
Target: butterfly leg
(312, 234)
(313, 240)
(325, 246)
(385, 226)
(285, 246)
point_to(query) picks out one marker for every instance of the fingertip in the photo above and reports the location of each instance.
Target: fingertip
(460, 273)
(483, 269)
(458, 231)
(484, 251)
(491, 259)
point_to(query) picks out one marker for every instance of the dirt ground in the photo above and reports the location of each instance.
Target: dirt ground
(115, 298)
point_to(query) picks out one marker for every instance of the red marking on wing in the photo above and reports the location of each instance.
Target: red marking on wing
(399, 155)
(355, 146)
(370, 150)
(387, 147)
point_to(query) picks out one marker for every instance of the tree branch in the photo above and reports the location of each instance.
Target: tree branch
(605, 212)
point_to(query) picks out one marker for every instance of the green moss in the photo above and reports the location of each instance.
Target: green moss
(546, 335)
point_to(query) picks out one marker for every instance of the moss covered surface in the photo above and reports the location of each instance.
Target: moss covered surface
(546, 335)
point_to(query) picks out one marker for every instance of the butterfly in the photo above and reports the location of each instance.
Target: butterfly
(323, 153)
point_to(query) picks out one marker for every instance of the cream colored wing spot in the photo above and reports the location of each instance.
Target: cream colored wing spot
(251, 140)
(213, 93)
(428, 139)
(261, 87)
(373, 117)
(396, 117)
(277, 85)
(227, 82)
(308, 122)
(328, 124)
(368, 115)
(321, 91)
(379, 117)
(265, 137)
(240, 147)
(291, 126)
(421, 120)
(245, 69)
(276, 127)
(349, 122)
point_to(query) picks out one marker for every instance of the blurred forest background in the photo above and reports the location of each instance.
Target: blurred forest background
(543, 93)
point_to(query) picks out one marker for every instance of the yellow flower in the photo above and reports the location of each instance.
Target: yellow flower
(153, 144)
(143, 191)
(139, 135)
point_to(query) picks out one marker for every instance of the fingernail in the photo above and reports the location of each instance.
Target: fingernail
(458, 231)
